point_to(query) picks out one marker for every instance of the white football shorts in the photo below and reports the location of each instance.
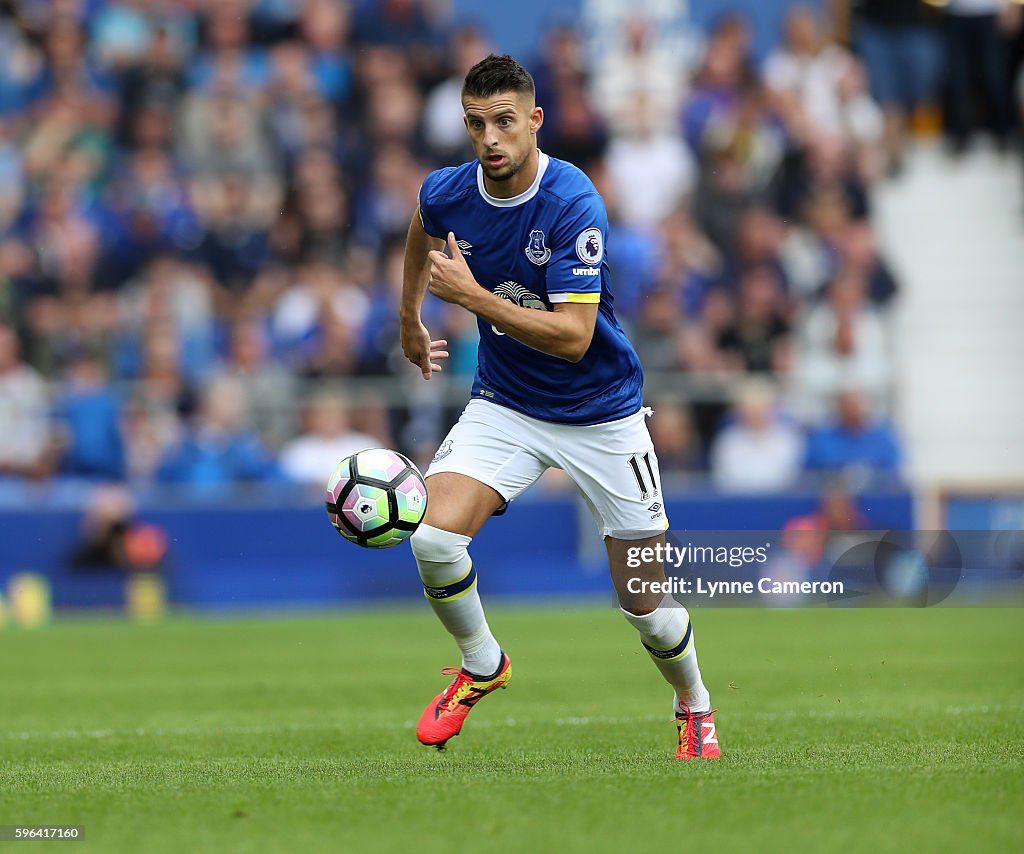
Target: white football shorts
(613, 464)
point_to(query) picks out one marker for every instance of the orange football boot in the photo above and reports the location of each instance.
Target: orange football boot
(698, 738)
(444, 715)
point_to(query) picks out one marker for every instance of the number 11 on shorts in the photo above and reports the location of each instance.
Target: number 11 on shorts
(634, 463)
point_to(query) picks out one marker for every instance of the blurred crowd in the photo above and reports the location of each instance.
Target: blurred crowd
(203, 206)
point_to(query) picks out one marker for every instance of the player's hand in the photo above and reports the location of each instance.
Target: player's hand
(420, 350)
(450, 276)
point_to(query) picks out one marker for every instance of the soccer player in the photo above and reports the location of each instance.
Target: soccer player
(518, 238)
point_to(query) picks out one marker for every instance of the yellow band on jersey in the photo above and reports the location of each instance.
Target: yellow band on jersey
(588, 298)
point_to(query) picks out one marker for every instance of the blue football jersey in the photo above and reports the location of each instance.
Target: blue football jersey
(544, 246)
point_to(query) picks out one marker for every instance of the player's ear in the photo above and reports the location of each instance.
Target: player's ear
(536, 119)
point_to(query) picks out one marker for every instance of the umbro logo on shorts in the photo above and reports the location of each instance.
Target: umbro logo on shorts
(465, 247)
(655, 507)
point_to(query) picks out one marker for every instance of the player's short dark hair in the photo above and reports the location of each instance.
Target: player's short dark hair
(497, 74)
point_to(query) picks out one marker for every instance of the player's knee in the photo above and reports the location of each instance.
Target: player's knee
(639, 610)
(635, 536)
(432, 546)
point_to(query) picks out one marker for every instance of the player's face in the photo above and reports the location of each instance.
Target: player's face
(503, 130)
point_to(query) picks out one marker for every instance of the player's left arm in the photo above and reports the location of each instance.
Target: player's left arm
(565, 332)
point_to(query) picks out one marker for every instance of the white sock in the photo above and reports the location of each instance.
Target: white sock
(668, 637)
(449, 583)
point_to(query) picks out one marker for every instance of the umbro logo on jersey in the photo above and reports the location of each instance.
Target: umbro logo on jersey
(465, 247)
(586, 271)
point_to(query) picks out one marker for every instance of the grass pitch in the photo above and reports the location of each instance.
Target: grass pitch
(849, 730)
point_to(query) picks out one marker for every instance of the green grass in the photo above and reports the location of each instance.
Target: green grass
(842, 730)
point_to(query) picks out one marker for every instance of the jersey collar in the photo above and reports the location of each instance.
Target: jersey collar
(525, 196)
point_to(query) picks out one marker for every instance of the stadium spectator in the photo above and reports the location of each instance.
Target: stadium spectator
(230, 59)
(657, 330)
(759, 240)
(818, 86)
(651, 171)
(25, 437)
(576, 132)
(12, 176)
(443, 125)
(167, 292)
(270, 389)
(328, 438)
(413, 27)
(561, 68)
(756, 340)
(742, 148)
(235, 241)
(147, 213)
(89, 411)
(718, 83)
(318, 319)
(1019, 100)
(121, 34)
(325, 26)
(382, 209)
(641, 61)
(689, 263)
(113, 536)
(722, 196)
(291, 85)
(810, 251)
(761, 450)
(806, 537)
(976, 48)
(70, 74)
(853, 439)
(162, 398)
(319, 205)
(222, 132)
(675, 436)
(843, 345)
(824, 168)
(899, 44)
(151, 85)
(858, 250)
(21, 63)
(218, 448)
(15, 269)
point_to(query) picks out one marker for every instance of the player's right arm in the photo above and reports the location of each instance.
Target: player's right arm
(416, 343)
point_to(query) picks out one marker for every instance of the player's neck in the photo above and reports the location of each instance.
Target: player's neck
(518, 183)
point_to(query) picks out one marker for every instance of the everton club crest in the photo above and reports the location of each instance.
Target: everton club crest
(536, 251)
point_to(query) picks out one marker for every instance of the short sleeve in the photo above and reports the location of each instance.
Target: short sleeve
(425, 212)
(578, 252)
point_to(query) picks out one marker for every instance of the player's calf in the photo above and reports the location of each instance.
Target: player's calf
(449, 583)
(665, 632)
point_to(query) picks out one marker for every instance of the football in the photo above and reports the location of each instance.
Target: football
(376, 498)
